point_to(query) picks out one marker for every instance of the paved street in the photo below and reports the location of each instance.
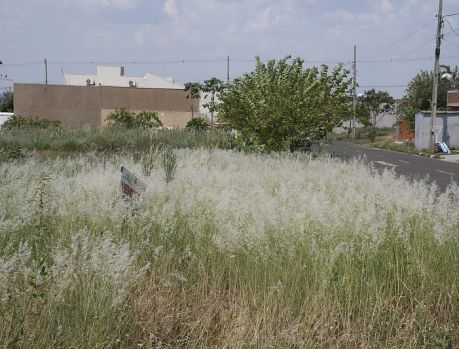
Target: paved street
(413, 166)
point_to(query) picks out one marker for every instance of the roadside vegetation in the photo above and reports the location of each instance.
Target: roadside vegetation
(382, 138)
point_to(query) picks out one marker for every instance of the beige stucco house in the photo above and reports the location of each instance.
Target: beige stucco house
(88, 99)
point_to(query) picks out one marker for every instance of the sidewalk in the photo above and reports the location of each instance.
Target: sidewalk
(450, 158)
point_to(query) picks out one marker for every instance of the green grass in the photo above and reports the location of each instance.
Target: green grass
(82, 139)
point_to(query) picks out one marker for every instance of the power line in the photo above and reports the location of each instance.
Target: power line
(452, 29)
(20, 64)
(400, 59)
(399, 40)
(134, 62)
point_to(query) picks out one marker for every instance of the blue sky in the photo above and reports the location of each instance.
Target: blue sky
(66, 31)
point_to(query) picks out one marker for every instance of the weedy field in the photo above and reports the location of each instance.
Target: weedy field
(233, 250)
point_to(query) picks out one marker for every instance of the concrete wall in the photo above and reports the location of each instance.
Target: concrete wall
(72, 105)
(82, 105)
(447, 129)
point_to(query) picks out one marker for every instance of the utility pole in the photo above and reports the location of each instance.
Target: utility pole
(354, 90)
(46, 71)
(433, 114)
(227, 70)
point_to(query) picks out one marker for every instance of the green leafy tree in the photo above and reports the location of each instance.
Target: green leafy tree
(129, 119)
(418, 95)
(213, 88)
(284, 106)
(147, 119)
(7, 102)
(371, 107)
(194, 89)
(197, 124)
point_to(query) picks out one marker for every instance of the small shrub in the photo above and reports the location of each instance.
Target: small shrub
(148, 119)
(9, 154)
(144, 119)
(169, 164)
(148, 161)
(197, 124)
(16, 121)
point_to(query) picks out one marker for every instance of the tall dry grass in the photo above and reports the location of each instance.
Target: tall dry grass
(235, 251)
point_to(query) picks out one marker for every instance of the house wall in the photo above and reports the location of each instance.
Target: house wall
(447, 125)
(72, 105)
(82, 105)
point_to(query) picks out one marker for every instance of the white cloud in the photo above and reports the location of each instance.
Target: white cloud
(385, 6)
(261, 22)
(105, 3)
(170, 9)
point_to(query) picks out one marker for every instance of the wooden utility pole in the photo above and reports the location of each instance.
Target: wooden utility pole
(433, 114)
(46, 71)
(354, 90)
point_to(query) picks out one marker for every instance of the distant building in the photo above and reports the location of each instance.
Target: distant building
(453, 101)
(4, 117)
(114, 76)
(88, 99)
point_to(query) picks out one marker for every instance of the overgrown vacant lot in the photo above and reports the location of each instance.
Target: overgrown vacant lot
(236, 251)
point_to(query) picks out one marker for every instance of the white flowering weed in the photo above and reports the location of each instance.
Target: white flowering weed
(279, 231)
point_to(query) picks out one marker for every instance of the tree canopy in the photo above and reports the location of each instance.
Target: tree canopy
(213, 88)
(371, 105)
(418, 95)
(194, 89)
(284, 106)
(7, 102)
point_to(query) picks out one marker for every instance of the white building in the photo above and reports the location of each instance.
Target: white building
(114, 76)
(4, 117)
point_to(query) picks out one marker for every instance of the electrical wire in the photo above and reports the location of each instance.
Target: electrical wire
(400, 59)
(19, 64)
(399, 40)
(452, 29)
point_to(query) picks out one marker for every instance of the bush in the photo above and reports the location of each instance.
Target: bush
(15, 122)
(7, 102)
(284, 106)
(144, 119)
(197, 124)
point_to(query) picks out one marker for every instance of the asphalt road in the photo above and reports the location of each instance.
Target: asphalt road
(409, 165)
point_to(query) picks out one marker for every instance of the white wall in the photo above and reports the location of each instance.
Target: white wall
(114, 76)
(447, 129)
(4, 117)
